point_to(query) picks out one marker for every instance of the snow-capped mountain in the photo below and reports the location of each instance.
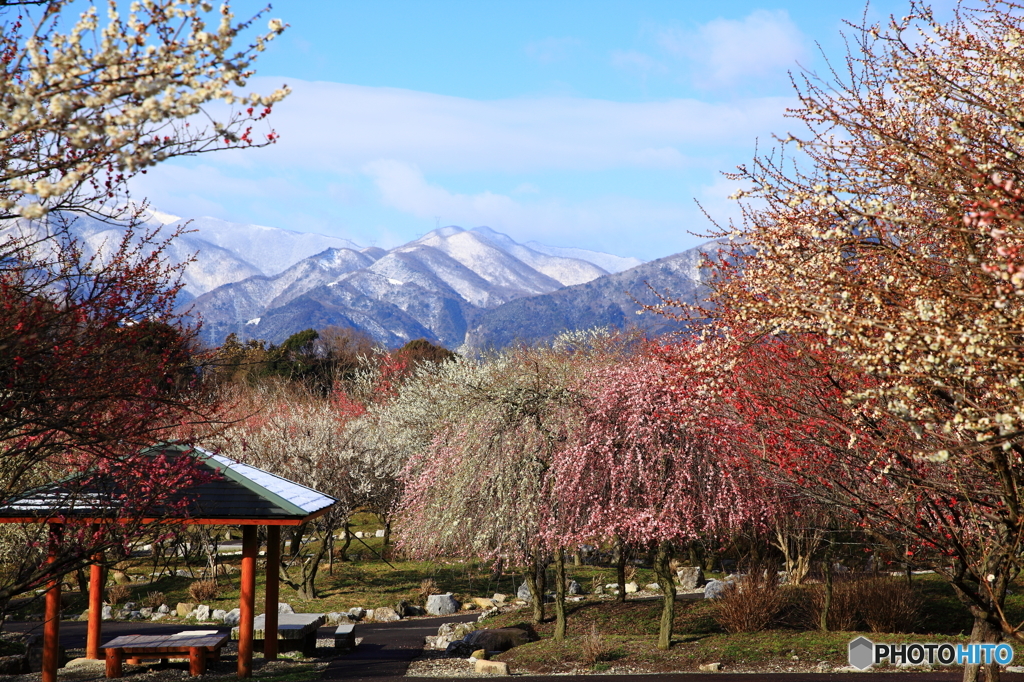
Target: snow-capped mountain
(429, 287)
(270, 250)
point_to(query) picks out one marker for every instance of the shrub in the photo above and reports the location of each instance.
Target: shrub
(844, 609)
(883, 604)
(154, 600)
(427, 587)
(593, 648)
(752, 604)
(118, 593)
(203, 590)
(890, 605)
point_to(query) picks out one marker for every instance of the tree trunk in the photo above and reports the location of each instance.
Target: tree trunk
(666, 580)
(343, 556)
(988, 632)
(827, 604)
(296, 540)
(387, 539)
(620, 567)
(560, 595)
(536, 591)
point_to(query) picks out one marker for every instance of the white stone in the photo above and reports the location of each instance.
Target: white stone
(202, 612)
(233, 617)
(218, 615)
(711, 667)
(632, 588)
(163, 608)
(107, 613)
(284, 608)
(442, 604)
(379, 534)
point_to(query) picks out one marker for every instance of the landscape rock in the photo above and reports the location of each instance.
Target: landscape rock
(652, 587)
(497, 639)
(92, 666)
(379, 533)
(459, 649)
(442, 604)
(490, 667)
(415, 610)
(233, 617)
(84, 616)
(574, 588)
(218, 615)
(123, 615)
(13, 665)
(468, 606)
(499, 597)
(129, 606)
(335, 618)
(524, 593)
(184, 608)
(711, 667)
(163, 608)
(484, 603)
(284, 608)
(385, 614)
(632, 588)
(479, 654)
(715, 589)
(146, 612)
(357, 613)
(34, 655)
(202, 612)
(158, 616)
(135, 615)
(402, 609)
(690, 577)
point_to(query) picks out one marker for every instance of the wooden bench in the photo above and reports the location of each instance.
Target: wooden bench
(198, 647)
(291, 628)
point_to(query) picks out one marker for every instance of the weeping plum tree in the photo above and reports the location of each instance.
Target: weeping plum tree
(649, 464)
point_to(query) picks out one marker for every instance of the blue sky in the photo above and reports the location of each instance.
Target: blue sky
(594, 124)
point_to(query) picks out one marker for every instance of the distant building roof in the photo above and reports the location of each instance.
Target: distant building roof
(237, 494)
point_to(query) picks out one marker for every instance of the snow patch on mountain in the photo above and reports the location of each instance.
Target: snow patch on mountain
(606, 261)
(270, 249)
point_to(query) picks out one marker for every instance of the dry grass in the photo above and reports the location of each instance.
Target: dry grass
(117, 594)
(154, 599)
(428, 586)
(202, 591)
(593, 648)
(753, 604)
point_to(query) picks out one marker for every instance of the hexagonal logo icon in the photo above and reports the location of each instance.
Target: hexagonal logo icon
(862, 653)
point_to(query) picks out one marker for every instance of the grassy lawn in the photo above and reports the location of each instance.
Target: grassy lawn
(628, 635)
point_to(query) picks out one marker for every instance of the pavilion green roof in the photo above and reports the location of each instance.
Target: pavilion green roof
(237, 493)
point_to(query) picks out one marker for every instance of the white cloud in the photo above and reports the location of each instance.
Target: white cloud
(552, 50)
(727, 51)
(636, 62)
(339, 128)
(606, 221)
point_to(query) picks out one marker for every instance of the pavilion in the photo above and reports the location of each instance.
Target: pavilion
(238, 495)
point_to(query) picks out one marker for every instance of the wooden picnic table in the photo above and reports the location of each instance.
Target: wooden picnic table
(199, 647)
(291, 627)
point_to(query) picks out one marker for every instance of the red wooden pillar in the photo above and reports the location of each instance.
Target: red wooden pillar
(51, 621)
(96, 582)
(246, 601)
(273, 583)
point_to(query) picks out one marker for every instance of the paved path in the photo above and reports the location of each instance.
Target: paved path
(387, 648)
